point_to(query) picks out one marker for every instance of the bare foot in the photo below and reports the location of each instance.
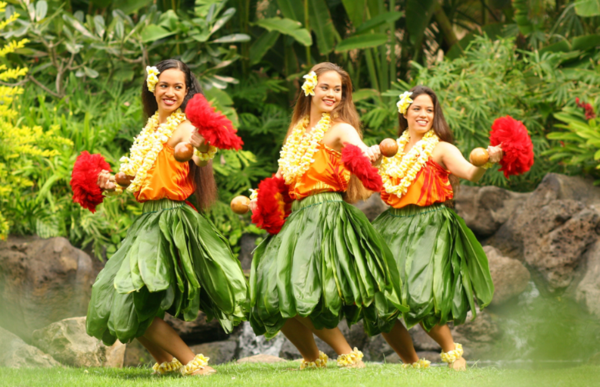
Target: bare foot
(205, 371)
(459, 365)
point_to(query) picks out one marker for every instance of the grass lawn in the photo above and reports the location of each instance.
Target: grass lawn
(287, 374)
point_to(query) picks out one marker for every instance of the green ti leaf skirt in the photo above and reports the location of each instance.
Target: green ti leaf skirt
(172, 260)
(443, 268)
(327, 263)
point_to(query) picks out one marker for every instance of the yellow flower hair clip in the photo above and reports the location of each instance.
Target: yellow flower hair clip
(152, 77)
(404, 102)
(310, 83)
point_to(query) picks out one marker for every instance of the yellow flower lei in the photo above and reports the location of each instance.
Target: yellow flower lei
(167, 367)
(298, 151)
(146, 147)
(350, 359)
(452, 356)
(197, 363)
(321, 362)
(208, 155)
(406, 166)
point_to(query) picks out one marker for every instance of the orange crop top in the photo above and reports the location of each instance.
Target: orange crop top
(168, 178)
(432, 185)
(326, 174)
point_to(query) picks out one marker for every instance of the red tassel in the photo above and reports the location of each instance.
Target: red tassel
(213, 126)
(516, 144)
(357, 163)
(84, 180)
(273, 205)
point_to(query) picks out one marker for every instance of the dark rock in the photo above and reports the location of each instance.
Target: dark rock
(477, 336)
(421, 339)
(42, 281)
(557, 254)
(588, 290)
(392, 358)
(198, 331)
(509, 275)
(250, 344)
(247, 246)
(16, 353)
(68, 342)
(377, 349)
(563, 196)
(372, 207)
(137, 356)
(485, 209)
(219, 352)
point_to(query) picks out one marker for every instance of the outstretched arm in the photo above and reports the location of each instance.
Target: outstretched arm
(346, 134)
(454, 161)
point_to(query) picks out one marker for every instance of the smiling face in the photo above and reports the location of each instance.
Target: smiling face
(420, 114)
(170, 90)
(328, 93)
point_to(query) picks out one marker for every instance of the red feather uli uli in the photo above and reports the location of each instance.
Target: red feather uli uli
(516, 145)
(84, 180)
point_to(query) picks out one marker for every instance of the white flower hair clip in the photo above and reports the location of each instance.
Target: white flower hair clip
(310, 83)
(404, 102)
(152, 77)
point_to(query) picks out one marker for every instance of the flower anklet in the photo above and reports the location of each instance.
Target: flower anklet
(421, 363)
(167, 367)
(197, 363)
(321, 362)
(351, 359)
(452, 356)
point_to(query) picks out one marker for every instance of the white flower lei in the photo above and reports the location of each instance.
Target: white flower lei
(406, 166)
(298, 151)
(146, 147)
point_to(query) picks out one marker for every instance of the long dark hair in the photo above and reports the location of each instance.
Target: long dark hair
(206, 188)
(344, 112)
(440, 126)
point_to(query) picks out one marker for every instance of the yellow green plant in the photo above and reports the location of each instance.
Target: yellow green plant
(18, 143)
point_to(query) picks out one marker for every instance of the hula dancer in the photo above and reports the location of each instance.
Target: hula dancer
(324, 262)
(173, 259)
(442, 266)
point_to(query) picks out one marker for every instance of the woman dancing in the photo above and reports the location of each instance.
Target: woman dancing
(442, 266)
(327, 263)
(173, 258)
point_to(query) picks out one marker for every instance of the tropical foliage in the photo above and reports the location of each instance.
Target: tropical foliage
(86, 60)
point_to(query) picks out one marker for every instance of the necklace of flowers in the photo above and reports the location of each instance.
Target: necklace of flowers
(298, 151)
(146, 147)
(406, 166)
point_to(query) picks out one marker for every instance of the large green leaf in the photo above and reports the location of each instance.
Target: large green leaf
(259, 48)
(587, 8)
(355, 10)
(131, 6)
(379, 20)
(361, 42)
(292, 9)
(363, 94)
(322, 25)
(286, 27)
(418, 15)
(153, 32)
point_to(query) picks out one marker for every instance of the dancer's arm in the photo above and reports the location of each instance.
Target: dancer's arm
(450, 157)
(343, 133)
(186, 132)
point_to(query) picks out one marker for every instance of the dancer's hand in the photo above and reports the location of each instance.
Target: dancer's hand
(106, 181)
(495, 153)
(198, 141)
(252, 205)
(373, 153)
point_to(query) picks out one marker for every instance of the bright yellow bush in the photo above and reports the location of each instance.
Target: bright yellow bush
(18, 143)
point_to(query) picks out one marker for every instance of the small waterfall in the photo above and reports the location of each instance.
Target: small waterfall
(251, 345)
